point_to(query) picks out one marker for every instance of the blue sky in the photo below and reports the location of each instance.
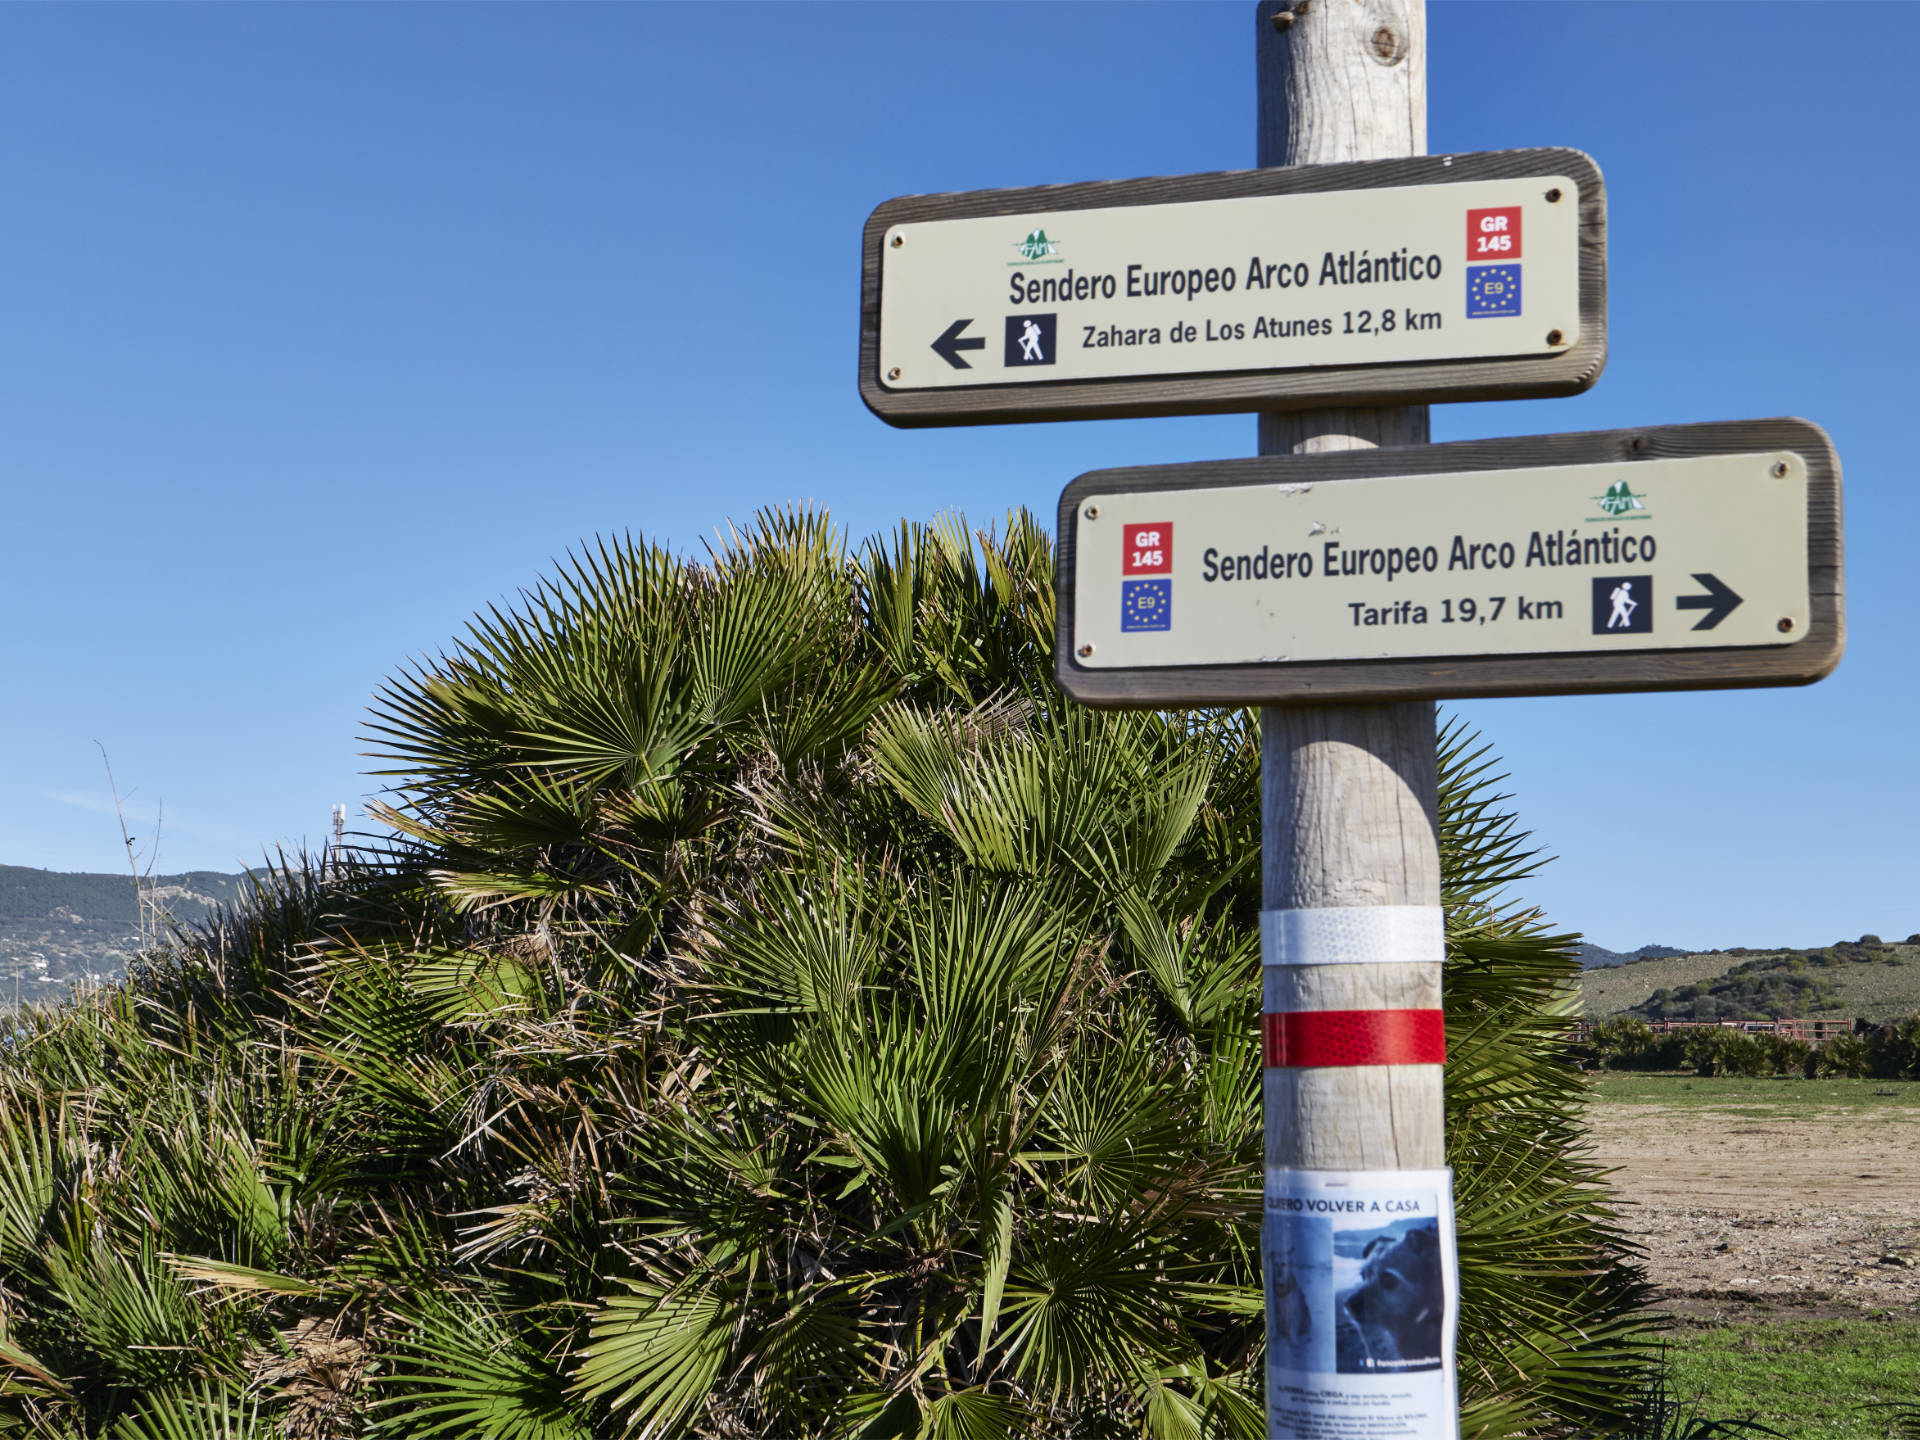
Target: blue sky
(326, 326)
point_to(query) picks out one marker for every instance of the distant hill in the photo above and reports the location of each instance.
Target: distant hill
(27, 894)
(1592, 957)
(60, 928)
(1844, 980)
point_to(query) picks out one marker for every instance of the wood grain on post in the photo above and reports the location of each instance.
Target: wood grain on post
(1348, 792)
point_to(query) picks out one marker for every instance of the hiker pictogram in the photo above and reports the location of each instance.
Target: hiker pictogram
(1623, 605)
(1030, 340)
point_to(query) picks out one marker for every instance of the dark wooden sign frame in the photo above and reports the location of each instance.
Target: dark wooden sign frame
(1449, 677)
(1507, 377)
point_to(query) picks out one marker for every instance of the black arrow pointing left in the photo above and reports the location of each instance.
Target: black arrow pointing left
(1719, 602)
(949, 345)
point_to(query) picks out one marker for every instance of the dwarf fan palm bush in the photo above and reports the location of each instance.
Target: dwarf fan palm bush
(777, 1013)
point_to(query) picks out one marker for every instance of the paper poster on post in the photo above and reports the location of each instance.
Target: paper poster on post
(1362, 1288)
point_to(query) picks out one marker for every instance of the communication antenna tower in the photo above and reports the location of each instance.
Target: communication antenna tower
(338, 847)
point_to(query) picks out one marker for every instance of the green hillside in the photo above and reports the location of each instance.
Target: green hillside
(59, 928)
(1880, 982)
(28, 894)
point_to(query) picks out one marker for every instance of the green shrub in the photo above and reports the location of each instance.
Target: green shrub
(1619, 1037)
(781, 1014)
(1893, 1051)
(1624, 1042)
(1727, 1052)
(1784, 1054)
(1846, 1056)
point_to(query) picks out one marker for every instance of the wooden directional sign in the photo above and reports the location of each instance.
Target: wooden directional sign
(1446, 277)
(1672, 558)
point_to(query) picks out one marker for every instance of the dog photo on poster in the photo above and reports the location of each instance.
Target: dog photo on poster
(1361, 1282)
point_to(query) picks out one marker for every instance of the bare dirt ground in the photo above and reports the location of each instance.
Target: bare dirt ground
(1816, 1212)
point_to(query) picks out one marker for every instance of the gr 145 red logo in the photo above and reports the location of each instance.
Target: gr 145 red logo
(1494, 234)
(1148, 549)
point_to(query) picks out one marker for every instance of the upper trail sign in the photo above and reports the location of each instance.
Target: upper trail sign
(1453, 277)
(1674, 557)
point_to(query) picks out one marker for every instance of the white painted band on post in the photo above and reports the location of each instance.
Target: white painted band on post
(1354, 935)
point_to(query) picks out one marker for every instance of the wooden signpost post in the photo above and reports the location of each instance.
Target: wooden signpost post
(1349, 795)
(1352, 575)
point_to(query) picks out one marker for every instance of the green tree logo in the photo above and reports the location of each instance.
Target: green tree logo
(1037, 246)
(1619, 500)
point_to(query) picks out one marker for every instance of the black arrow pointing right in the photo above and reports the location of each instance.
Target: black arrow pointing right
(1719, 602)
(949, 345)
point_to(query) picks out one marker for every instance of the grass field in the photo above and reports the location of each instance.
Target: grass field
(1807, 1379)
(1740, 1093)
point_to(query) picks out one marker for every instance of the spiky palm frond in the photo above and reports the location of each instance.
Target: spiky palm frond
(456, 1366)
(200, 1410)
(657, 1351)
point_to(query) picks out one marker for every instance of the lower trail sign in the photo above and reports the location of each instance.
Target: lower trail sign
(1677, 557)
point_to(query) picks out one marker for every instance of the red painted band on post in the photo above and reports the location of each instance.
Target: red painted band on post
(1302, 1038)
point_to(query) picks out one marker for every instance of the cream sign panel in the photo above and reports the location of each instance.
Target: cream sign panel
(1657, 555)
(1360, 277)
